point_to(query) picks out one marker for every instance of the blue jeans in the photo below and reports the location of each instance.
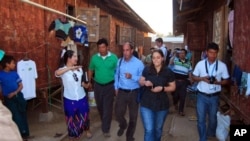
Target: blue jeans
(206, 106)
(153, 122)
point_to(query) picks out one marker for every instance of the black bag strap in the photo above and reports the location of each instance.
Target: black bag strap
(120, 62)
(216, 66)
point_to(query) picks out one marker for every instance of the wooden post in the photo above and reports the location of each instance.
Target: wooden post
(42, 97)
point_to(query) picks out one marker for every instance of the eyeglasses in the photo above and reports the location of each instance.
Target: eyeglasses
(75, 77)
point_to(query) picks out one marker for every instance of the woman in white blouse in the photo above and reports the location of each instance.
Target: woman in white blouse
(76, 105)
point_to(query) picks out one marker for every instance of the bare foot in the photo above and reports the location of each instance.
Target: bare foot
(89, 134)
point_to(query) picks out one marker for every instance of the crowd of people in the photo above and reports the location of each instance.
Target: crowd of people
(139, 87)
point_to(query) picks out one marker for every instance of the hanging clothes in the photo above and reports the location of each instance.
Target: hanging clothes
(81, 35)
(28, 73)
(248, 85)
(1, 54)
(237, 74)
(231, 26)
(63, 29)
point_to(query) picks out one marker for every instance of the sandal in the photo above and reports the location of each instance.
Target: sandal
(192, 118)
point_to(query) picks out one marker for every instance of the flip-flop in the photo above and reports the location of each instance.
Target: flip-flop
(58, 135)
(192, 118)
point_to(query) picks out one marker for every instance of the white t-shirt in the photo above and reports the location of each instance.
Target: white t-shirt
(200, 71)
(28, 73)
(73, 89)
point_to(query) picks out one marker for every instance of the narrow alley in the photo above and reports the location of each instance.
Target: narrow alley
(176, 128)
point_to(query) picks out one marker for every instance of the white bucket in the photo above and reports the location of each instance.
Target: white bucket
(91, 97)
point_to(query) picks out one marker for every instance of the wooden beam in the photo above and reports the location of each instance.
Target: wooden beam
(182, 1)
(53, 10)
(186, 12)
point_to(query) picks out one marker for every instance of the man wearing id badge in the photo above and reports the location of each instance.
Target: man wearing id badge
(211, 74)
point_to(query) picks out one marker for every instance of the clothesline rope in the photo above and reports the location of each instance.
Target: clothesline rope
(26, 52)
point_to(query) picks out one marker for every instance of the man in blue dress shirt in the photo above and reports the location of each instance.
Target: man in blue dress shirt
(128, 72)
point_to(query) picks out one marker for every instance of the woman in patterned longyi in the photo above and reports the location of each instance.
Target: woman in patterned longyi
(76, 106)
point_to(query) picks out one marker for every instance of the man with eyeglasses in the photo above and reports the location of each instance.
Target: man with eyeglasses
(103, 65)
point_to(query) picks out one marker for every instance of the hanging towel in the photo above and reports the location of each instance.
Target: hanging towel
(248, 85)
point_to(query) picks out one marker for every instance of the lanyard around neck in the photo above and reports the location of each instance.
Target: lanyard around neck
(215, 67)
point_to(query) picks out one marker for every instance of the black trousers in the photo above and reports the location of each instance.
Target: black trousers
(17, 106)
(180, 93)
(126, 100)
(104, 96)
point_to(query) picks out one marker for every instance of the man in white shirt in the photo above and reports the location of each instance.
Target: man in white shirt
(161, 46)
(210, 74)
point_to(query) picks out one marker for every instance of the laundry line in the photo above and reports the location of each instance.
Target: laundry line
(26, 52)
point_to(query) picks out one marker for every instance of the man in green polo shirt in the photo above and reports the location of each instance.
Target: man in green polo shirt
(103, 65)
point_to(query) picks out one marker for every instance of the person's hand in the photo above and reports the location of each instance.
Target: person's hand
(157, 89)
(128, 75)
(116, 92)
(90, 87)
(12, 94)
(217, 82)
(191, 81)
(205, 79)
(75, 67)
(85, 85)
(148, 83)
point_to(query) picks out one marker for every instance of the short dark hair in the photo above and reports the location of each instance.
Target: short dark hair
(6, 60)
(213, 46)
(184, 50)
(159, 40)
(102, 41)
(67, 54)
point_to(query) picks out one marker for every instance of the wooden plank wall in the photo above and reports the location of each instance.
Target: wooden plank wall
(241, 42)
(24, 31)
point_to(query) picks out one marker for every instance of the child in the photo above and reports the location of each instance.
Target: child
(11, 85)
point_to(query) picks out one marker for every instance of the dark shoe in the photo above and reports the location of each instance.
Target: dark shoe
(211, 138)
(120, 132)
(176, 107)
(130, 139)
(181, 114)
(106, 134)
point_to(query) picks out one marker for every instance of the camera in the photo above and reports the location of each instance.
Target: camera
(211, 79)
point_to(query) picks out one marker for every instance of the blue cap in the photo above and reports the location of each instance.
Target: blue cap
(1, 54)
